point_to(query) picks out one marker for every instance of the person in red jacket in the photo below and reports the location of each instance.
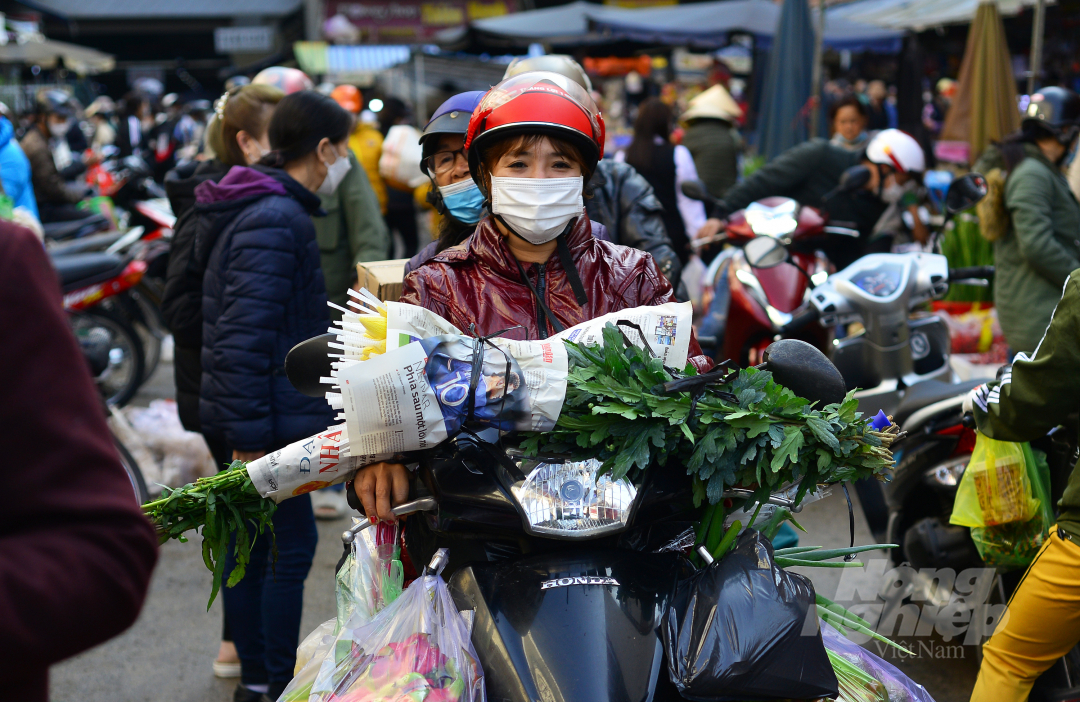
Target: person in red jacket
(533, 141)
(76, 552)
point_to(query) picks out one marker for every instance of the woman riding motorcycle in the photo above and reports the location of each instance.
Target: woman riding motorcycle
(532, 263)
(453, 193)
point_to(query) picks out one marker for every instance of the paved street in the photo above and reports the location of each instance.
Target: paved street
(166, 656)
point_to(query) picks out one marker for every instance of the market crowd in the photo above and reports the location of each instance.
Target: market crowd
(281, 189)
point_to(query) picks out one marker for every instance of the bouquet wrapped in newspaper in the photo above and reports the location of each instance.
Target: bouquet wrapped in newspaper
(407, 380)
(611, 389)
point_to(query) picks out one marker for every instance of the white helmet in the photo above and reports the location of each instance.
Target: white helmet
(894, 148)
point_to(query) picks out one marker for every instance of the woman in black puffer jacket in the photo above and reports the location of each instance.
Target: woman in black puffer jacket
(263, 293)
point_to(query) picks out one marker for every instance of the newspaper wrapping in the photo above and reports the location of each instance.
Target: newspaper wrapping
(307, 465)
(666, 327)
(417, 394)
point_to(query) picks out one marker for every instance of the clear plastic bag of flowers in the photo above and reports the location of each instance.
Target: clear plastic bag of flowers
(418, 648)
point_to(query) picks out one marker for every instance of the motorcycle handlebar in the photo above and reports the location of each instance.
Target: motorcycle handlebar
(971, 273)
(800, 319)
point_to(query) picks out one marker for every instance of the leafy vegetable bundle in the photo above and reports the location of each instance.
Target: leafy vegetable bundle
(223, 505)
(744, 431)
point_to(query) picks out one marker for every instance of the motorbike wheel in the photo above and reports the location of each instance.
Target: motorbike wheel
(141, 306)
(134, 473)
(114, 351)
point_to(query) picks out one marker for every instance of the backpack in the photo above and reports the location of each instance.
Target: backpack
(192, 243)
(993, 215)
(181, 303)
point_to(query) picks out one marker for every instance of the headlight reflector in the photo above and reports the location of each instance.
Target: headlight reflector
(566, 500)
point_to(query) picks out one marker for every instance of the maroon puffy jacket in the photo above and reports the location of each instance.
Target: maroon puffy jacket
(479, 282)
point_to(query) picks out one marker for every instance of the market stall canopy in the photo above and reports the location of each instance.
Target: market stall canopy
(702, 24)
(320, 58)
(139, 9)
(554, 25)
(985, 106)
(713, 21)
(918, 15)
(47, 54)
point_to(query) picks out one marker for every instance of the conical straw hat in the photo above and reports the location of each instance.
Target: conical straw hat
(716, 102)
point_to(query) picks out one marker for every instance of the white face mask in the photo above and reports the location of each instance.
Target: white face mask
(537, 209)
(262, 152)
(59, 130)
(335, 173)
(893, 193)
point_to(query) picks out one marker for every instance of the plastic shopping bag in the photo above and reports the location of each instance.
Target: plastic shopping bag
(864, 677)
(418, 648)
(401, 155)
(735, 631)
(1014, 545)
(995, 488)
(368, 580)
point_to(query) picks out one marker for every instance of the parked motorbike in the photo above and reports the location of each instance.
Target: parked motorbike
(567, 572)
(76, 229)
(900, 359)
(148, 240)
(94, 285)
(746, 309)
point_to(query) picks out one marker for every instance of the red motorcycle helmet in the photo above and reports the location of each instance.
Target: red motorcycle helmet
(538, 102)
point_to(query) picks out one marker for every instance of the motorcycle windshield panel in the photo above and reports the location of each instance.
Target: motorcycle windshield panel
(571, 626)
(880, 281)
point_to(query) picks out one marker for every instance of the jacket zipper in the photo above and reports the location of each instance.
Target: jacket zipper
(541, 318)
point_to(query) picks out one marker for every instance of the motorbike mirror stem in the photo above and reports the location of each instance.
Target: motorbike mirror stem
(789, 259)
(809, 278)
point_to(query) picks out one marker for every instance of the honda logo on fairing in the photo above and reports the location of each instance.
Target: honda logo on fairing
(578, 580)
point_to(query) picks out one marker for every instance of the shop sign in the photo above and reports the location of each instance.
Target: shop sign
(411, 21)
(243, 40)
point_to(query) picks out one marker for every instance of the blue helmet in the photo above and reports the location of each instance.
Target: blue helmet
(452, 117)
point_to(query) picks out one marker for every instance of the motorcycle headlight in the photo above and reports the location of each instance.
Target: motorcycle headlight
(947, 474)
(568, 501)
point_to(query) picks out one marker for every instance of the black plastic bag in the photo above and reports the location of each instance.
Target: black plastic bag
(734, 631)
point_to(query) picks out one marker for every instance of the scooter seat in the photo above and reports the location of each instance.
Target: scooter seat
(927, 393)
(81, 270)
(75, 228)
(94, 242)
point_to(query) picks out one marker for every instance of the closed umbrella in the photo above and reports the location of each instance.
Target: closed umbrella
(985, 107)
(788, 83)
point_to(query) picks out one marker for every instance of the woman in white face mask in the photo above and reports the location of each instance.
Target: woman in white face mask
(532, 265)
(262, 293)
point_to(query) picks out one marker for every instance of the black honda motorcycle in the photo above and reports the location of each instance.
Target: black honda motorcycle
(567, 573)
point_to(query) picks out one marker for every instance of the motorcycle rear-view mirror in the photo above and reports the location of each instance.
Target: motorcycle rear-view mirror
(964, 193)
(805, 370)
(696, 190)
(764, 252)
(853, 178)
(308, 363)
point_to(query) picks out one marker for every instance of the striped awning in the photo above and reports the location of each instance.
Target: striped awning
(320, 58)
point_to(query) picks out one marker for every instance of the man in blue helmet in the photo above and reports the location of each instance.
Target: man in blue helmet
(453, 193)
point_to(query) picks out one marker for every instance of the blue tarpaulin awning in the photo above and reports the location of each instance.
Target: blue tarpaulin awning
(788, 83)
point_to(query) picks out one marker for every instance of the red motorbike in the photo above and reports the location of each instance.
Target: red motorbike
(96, 289)
(746, 309)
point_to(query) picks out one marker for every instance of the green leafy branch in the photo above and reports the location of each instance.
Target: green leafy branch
(222, 505)
(749, 432)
